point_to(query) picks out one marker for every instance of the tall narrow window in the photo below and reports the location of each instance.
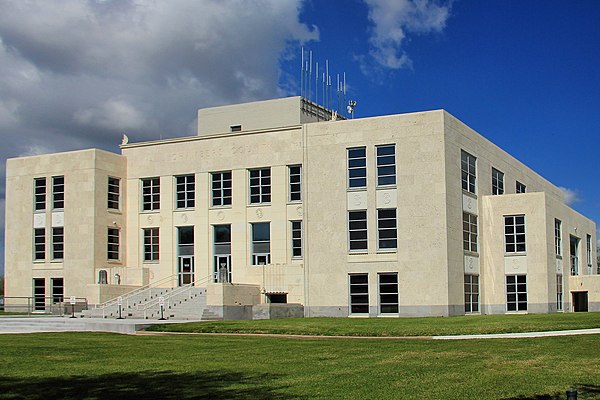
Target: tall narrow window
(588, 248)
(151, 194)
(222, 253)
(221, 188)
(114, 192)
(58, 290)
(386, 165)
(514, 233)
(471, 293)
(296, 239)
(261, 243)
(359, 293)
(58, 243)
(558, 237)
(112, 244)
(39, 294)
(520, 188)
(295, 177)
(357, 167)
(185, 191)
(102, 277)
(39, 194)
(58, 192)
(357, 230)
(516, 293)
(151, 244)
(497, 181)
(260, 185)
(467, 162)
(388, 293)
(559, 292)
(387, 230)
(469, 232)
(39, 244)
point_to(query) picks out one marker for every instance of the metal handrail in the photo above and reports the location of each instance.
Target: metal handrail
(34, 304)
(127, 295)
(174, 292)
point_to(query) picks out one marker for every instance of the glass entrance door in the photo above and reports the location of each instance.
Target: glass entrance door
(185, 272)
(222, 272)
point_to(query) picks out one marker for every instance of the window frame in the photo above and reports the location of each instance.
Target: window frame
(470, 232)
(39, 244)
(558, 237)
(354, 165)
(113, 198)
(113, 252)
(260, 258)
(588, 250)
(382, 165)
(185, 185)
(353, 232)
(58, 192)
(151, 244)
(150, 194)
(58, 243)
(39, 194)
(381, 239)
(353, 295)
(497, 182)
(221, 188)
(261, 183)
(519, 247)
(388, 295)
(559, 292)
(57, 292)
(520, 187)
(468, 167)
(296, 240)
(520, 297)
(295, 183)
(471, 282)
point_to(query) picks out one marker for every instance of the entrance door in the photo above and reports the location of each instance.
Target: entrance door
(223, 269)
(39, 294)
(580, 301)
(186, 270)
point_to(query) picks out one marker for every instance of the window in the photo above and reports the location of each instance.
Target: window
(113, 244)
(235, 128)
(359, 294)
(469, 232)
(260, 185)
(58, 192)
(588, 248)
(296, 239)
(58, 290)
(39, 194)
(386, 165)
(357, 229)
(39, 294)
(357, 167)
(514, 233)
(471, 293)
(387, 231)
(516, 293)
(388, 293)
(58, 243)
(222, 253)
(497, 181)
(467, 162)
(151, 194)
(102, 277)
(559, 292)
(261, 243)
(221, 188)
(113, 193)
(558, 237)
(151, 244)
(295, 172)
(185, 191)
(520, 188)
(39, 244)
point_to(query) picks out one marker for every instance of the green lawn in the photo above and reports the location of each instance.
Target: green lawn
(397, 326)
(109, 366)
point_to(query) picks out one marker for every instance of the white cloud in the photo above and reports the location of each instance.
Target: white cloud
(394, 20)
(570, 195)
(114, 113)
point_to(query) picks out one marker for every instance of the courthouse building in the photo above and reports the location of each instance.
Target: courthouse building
(402, 215)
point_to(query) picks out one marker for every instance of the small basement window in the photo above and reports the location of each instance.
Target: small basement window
(236, 128)
(280, 298)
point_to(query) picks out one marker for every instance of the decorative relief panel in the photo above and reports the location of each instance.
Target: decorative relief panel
(58, 219)
(357, 200)
(39, 220)
(472, 265)
(559, 266)
(515, 265)
(469, 204)
(387, 198)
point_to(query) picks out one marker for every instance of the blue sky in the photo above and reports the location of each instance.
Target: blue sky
(77, 74)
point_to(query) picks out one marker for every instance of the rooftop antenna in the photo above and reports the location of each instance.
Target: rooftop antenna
(351, 107)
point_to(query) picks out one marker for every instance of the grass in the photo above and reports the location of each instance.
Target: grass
(108, 366)
(396, 326)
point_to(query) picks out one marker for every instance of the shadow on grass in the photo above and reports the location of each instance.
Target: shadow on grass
(146, 385)
(584, 391)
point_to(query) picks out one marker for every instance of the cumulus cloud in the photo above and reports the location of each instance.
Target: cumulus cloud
(393, 20)
(571, 196)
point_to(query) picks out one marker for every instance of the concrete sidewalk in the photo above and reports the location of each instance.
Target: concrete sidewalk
(33, 324)
(593, 331)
